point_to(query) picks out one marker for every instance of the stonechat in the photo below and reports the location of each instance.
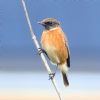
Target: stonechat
(55, 45)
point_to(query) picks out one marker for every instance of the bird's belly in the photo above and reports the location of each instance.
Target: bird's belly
(51, 51)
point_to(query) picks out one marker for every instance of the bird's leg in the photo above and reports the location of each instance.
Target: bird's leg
(40, 50)
(51, 76)
(56, 68)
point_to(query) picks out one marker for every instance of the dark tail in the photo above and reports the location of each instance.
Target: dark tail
(65, 79)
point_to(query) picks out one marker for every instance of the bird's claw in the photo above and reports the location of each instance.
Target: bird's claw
(51, 76)
(40, 51)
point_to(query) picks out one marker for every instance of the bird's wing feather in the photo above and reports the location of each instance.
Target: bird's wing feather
(68, 59)
(67, 46)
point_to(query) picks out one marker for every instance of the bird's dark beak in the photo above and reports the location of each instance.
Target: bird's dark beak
(41, 23)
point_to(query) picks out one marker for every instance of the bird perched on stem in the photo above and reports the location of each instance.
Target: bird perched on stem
(55, 46)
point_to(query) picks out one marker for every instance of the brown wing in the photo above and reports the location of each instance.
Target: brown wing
(68, 59)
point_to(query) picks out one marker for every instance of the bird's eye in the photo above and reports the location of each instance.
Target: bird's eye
(49, 23)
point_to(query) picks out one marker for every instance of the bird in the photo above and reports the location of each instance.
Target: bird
(55, 45)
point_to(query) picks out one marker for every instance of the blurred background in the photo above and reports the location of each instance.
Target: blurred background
(21, 68)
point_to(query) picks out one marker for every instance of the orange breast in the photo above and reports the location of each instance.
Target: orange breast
(54, 41)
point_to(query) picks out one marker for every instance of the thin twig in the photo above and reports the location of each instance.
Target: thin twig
(37, 46)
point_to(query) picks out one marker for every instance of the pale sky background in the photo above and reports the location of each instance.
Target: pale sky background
(80, 20)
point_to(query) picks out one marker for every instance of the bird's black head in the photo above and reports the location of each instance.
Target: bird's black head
(49, 23)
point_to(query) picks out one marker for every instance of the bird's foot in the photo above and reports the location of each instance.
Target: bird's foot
(51, 76)
(40, 51)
